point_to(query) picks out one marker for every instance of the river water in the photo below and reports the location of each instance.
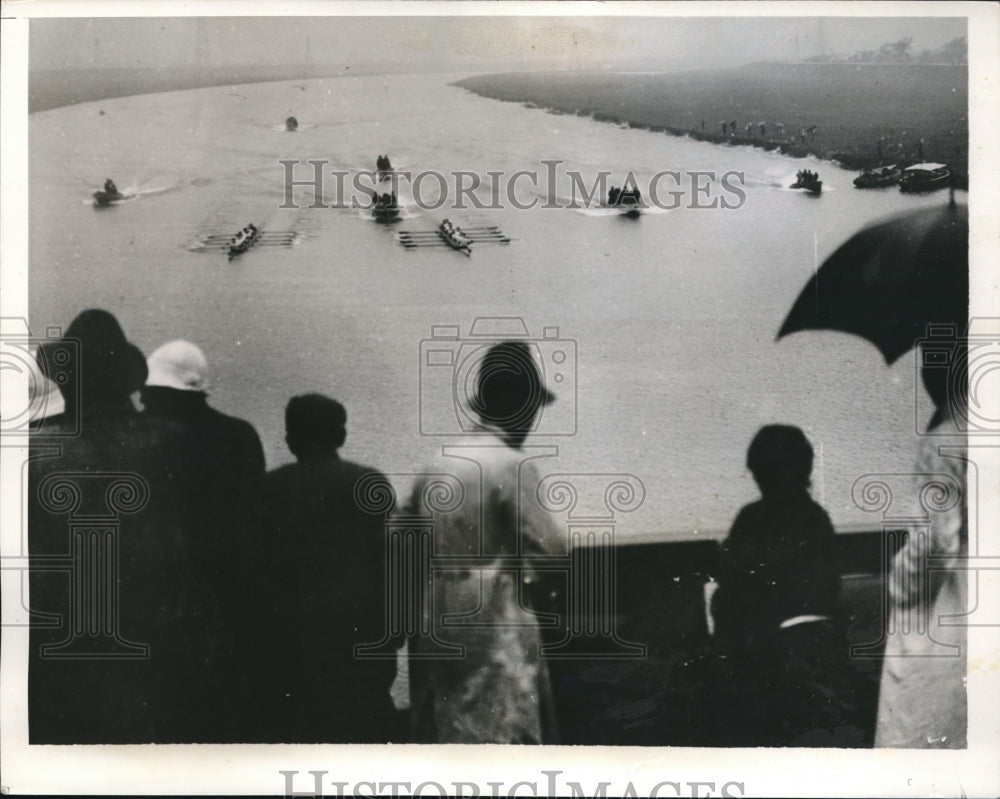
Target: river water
(657, 334)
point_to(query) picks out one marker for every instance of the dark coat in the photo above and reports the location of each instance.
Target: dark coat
(225, 470)
(230, 448)
(778, 562)
(775, 686)
(322, 574)
(226, 466)
(114, 537)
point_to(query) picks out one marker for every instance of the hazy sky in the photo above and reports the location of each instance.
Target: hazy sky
(422, 44)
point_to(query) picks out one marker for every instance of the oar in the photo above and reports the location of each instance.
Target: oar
(271, 235)
(225, 244)
(486, 229)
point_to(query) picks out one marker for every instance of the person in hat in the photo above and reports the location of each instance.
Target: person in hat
(225, 467)
(95, 368)
(499, 690)
(321, 580)
(108, 482)
(177, 388)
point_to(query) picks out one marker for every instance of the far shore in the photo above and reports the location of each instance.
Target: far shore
(54, 88)
(836, 112)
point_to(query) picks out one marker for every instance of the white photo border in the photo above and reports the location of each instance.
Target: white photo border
(257, 769)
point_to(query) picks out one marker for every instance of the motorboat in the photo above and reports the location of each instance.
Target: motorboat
(628, 200)
(291, 124)
(925, 177)
(879, 177)
(386, 207)
(102, 199)
(109, 194)
(808, 181)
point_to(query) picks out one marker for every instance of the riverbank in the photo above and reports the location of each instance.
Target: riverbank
(837, 112)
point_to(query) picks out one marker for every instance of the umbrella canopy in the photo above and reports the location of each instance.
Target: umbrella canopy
(889, 281)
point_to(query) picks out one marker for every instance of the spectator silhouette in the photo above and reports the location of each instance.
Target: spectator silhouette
(322, 577)
(127, 650)
(177, 389)
(225, 468)
(499, 690)
(776, 608)
(922, 699)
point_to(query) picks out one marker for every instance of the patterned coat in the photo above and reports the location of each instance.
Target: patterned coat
(476, 676)
(922, 701)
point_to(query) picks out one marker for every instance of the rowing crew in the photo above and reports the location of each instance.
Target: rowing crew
(455, 237)
(249, 232)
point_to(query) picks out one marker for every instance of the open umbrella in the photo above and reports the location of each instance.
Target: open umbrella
(890, 280)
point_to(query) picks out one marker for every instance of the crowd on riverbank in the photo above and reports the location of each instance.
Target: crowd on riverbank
(917, 111)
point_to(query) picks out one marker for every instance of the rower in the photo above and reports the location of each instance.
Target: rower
(110, 187)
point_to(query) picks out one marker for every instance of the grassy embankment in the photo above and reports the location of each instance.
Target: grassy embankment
(851, 105)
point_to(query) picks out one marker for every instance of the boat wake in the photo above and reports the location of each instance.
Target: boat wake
(281, 127)
(826, 189)
(598, 211)
(154, 190)
(782, 183)
(404, 214)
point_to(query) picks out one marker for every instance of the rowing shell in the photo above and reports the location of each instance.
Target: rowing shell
(484, 229)
(411, 239)
(221, 241)
(274, 236)
(470, 236)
